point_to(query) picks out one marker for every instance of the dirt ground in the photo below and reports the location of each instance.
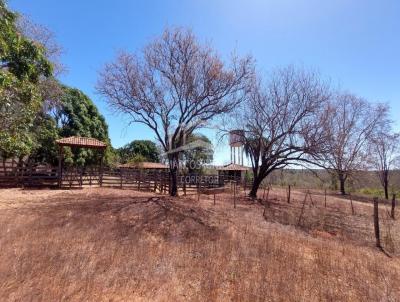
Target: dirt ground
(99, 244)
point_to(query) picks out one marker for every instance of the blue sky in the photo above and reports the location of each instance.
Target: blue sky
(356, 44)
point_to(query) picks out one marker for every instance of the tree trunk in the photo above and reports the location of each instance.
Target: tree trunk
(173, 186)
(393, 206)
(342, 181)
(254, 187)
(173, 173)
(376, 223)
(386, 189)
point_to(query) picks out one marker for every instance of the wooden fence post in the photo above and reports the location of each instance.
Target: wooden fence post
(71, 177)
(234, 195)
(81, 178)
(60, 158)
(160, 181)
(198, 190)
(376, 223)
(101, 169)
(160, 184)
(30, 180)
(288, 198)
(393, 206)
(19, 173)
(165, 182)
(309, 194)
(302, 209)
(352, 207)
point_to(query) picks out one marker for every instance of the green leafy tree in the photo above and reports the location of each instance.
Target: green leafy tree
(20, 56)
(35, 109)
(45, 147)
(19, 102)
(137, 158)
(139, 151)
(200, 154)
(79, 116)
(22, 64)
(75, 115)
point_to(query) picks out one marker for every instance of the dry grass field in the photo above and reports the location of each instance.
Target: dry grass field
(100, 244)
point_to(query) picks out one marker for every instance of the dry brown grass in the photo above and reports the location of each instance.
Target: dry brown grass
(120, 245)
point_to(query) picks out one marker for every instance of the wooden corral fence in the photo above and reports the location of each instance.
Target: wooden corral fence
(30, 175)
(138, 179)
(191, 184)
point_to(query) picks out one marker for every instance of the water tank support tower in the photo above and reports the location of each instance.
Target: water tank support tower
(236, 142)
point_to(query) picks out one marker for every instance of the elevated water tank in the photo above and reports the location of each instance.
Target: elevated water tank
(236, 138)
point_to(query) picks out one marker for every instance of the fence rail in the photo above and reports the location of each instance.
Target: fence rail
(28, 176)
(138, 179)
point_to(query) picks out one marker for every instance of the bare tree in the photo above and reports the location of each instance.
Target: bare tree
(384, 154)
(349, 125)
(50, 87)
(281, 121)
(46, 38)
(174, 87)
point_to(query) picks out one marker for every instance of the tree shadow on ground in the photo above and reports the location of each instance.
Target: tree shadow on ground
(121, 218)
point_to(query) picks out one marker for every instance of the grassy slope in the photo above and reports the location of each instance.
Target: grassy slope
(104, 244)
